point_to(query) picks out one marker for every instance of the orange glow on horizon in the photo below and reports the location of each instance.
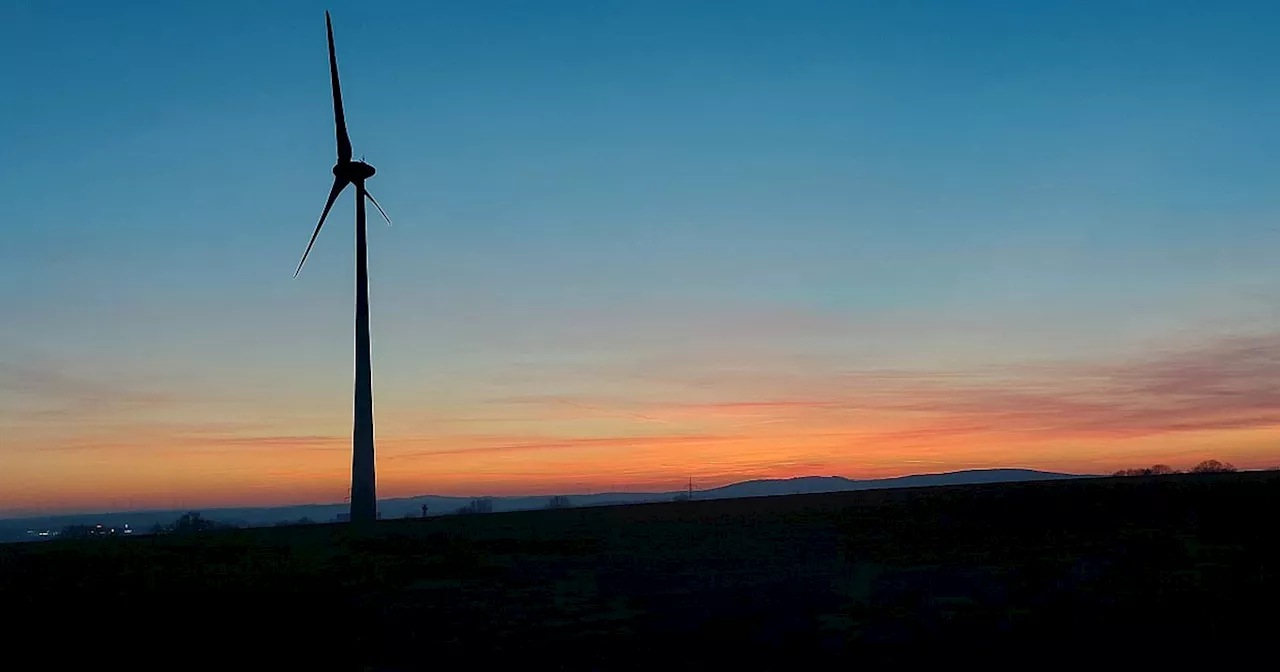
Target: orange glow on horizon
(298, 470)
(1217, 402)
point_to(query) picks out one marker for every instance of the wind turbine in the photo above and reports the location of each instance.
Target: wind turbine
(364, 499)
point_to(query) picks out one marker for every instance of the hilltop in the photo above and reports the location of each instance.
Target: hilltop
(817, 484)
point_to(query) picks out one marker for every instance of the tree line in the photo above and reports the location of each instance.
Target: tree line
(1205, 467)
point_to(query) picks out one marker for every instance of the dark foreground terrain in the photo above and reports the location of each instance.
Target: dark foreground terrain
(1160, 570)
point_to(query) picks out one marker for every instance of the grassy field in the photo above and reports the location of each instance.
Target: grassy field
(1157, 570)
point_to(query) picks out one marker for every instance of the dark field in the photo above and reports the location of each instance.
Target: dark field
(1158, 570)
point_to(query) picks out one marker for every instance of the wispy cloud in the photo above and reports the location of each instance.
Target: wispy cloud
(301, 441)
(49, 392)
(552, 444)
(1226, 385)
(570, 402)
(1223, 385)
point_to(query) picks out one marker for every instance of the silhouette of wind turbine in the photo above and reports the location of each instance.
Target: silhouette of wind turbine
(364, 499)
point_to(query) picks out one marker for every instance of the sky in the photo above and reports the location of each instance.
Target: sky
(635, 243)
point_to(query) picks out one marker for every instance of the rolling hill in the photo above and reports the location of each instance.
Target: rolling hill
(15, 529)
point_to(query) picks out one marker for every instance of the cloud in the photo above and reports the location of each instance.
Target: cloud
(52, 383)
(300, 441)
(547, 444)
(1228, 384)
(571, 402)
(49, 393)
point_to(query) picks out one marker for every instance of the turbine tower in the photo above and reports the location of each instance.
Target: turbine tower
(364, 499)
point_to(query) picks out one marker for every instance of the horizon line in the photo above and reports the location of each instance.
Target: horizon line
(7, 516)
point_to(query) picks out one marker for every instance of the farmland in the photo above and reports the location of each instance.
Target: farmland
(1156, 569)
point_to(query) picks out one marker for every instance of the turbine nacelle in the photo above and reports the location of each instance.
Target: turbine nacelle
(353, 171)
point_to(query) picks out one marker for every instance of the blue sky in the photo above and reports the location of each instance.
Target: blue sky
(955, 185)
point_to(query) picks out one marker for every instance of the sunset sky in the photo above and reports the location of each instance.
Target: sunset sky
(634, 243)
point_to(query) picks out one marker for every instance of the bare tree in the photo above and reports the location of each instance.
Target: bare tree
(480, 505)
(192, 521)
(559, 502)
(1213, 467)
(1153, 470)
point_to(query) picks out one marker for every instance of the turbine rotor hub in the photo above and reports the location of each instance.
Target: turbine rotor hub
(353, 171)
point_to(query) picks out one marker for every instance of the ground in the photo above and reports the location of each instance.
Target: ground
(1169, 569)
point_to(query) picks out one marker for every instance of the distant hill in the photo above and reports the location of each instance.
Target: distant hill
(815, 484)
(141, 521)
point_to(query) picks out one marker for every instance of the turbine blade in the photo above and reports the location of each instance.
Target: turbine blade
(339, 119)
(338, 185)
(379, 207)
